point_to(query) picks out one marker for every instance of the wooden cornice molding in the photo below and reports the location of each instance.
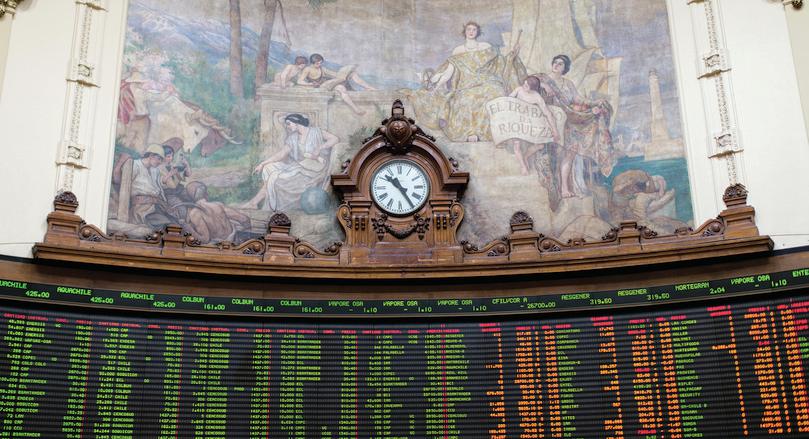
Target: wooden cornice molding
(522, 252)
(421, 244)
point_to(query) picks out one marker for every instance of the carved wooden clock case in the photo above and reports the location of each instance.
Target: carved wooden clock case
(374, 232)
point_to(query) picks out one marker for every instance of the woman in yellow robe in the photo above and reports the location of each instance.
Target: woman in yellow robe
(456, 96)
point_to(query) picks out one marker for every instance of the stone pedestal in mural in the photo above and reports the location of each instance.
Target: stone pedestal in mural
(324, 108)
(497, 190)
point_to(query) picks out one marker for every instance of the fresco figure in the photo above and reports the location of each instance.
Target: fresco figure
(212, 221)
(174, 90)
(586, 133)
(529, 92)
(174, 117)
(474, 74)
(151, 111)
(317, 76)
(289, 75)
(173, 174)
(645, 198)
(148, 202)
(133, 115)
(301, 163)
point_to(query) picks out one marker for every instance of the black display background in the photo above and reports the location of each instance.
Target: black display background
(401, 386)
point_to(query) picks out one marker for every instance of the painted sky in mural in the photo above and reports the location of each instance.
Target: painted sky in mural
(218, 136)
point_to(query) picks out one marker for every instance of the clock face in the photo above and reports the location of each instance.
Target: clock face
(400, 187)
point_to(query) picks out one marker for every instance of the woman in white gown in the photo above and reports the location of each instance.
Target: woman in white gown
(301, 163)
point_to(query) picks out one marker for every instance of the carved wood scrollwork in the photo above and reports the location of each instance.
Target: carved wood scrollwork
(612, 235)
(498, 247)
(307, 251)
(253, 247)
(93, 234)
(419, 226)
(550, 245)
(278, 252)
(421, 245)
(711, 228)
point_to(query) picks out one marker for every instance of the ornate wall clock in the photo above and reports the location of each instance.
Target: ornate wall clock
(400, 187)
(400, 197)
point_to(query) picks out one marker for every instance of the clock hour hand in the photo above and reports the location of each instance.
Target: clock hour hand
(398, 185)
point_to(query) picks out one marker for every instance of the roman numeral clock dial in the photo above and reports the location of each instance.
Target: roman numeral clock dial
(400, 187)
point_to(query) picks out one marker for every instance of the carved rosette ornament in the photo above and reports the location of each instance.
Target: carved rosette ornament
(9, 7)
(67, 197)
(735, 195)
(399, 130)
(521, 218)
(280, 219)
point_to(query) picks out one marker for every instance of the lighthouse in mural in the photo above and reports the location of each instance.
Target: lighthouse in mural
(661, 145)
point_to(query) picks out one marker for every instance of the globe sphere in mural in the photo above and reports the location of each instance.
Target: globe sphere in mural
(314, 201)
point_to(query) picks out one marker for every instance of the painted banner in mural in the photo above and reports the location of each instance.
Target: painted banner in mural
(232, 110)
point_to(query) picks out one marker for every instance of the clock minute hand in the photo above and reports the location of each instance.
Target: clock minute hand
(398, 185)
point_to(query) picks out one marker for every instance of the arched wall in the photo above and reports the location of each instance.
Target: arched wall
(52, 107)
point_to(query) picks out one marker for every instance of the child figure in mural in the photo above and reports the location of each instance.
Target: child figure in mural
(173, 174)
(316, 76)
(529, 92)
(300, 164)
(586, 134)
(289, 75)
(474, 74)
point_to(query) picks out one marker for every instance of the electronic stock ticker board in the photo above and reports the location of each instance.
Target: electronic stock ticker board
(728, 367)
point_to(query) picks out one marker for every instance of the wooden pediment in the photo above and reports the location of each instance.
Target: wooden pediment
(427, 235)
(399, 136)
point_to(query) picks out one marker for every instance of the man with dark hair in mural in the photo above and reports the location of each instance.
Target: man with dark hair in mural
(317, 76)
(148, 201)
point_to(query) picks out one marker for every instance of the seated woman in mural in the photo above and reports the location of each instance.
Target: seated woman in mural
(301, 163)
(586, 133)
(316, 76)
(474, 74)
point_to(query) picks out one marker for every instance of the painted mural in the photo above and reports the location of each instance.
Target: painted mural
(232, 110)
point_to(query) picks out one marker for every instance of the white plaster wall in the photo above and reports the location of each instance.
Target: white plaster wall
(766, 108)
(770, 118)
(5, 35)
(798, 23)
(33, 108)
(30, 119)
